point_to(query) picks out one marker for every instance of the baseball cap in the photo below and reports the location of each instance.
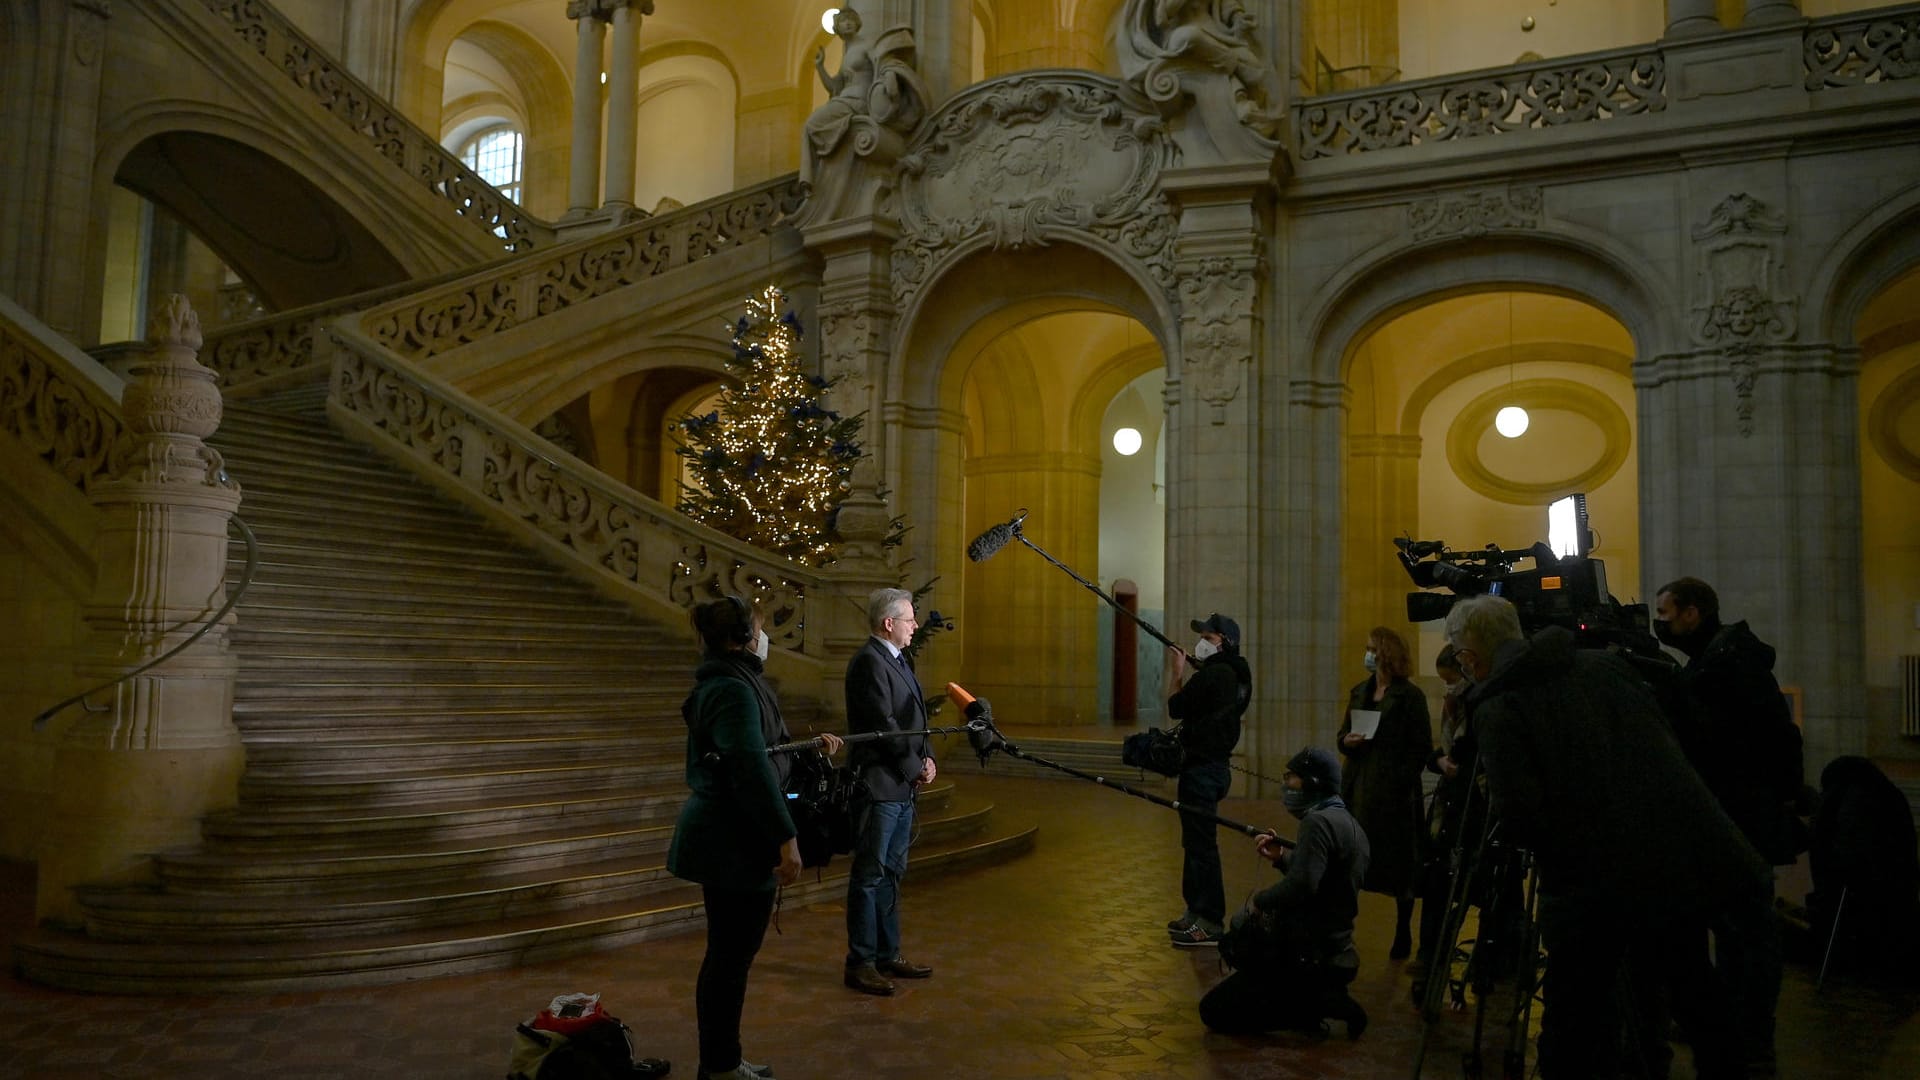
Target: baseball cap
(1217, 623)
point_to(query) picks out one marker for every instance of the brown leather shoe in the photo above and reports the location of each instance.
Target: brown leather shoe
(866, 979)
(901, 968)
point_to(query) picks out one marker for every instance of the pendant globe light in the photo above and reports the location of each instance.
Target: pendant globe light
(1512, 420)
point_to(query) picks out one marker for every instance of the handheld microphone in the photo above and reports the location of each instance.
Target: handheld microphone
(981, 734)
(988, 544)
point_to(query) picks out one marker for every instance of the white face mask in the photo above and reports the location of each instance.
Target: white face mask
(1204, 648)
(760, 645)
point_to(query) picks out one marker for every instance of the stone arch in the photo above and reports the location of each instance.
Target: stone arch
(1492, 359)
(544, 104)
(1397, 277)
(290, 259)
(954, 305)
(1864, 261)
(1090, 407)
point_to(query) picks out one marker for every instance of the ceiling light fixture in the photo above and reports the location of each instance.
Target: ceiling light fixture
(1510, 421)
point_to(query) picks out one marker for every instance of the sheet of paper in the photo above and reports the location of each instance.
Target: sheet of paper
(1366, 722)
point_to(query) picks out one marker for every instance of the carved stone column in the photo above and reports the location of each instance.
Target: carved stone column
(1764, 429)
(583, 168)
(1762, 12)
(1219, 264)
(623, 98)
(1691, 18)
(1383, 498)
(50, 102)
(137, 776)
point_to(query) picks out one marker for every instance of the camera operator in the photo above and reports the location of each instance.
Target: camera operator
(1735, 726)
(1634, 857)
(1298, 973)
(1209, 706)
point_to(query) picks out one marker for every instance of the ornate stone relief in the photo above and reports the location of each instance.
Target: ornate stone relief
(1863, 51)
(1206, 52)
(1474, 213)
(1741, 302)
(169, 405)
(57, 415)
(1216, 330)
(846, 332)
(1023, 161)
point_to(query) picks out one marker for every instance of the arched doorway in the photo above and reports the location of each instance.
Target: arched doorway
(1424, 459)
(1888, 332)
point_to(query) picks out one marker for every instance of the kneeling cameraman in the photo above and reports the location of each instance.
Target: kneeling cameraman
(1292, 947)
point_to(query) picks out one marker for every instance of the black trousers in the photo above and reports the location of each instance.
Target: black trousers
(1611, 989)
(736, 925)
(1294, 995)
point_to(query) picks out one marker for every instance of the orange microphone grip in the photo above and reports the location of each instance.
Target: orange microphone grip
(959, 695)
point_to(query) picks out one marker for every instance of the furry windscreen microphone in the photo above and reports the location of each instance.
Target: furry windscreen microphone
(988, 544)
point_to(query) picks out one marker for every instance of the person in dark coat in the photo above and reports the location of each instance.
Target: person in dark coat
(1209, 705)
(1737, 729)
(883, 694)
(1299, 973)
(734, 836)
(1634, 856)
(1453, 818)
(1382, 776)
(1865, 871)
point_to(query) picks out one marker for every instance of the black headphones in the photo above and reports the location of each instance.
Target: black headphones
(744, 634)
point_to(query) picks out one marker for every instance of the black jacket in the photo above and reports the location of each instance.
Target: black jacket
(884, 695)
(1739, 733)
(1582, 768)
(1210, 705)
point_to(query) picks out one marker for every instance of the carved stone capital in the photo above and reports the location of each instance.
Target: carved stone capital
(1475, 213)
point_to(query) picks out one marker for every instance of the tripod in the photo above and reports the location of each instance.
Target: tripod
(1500, 879)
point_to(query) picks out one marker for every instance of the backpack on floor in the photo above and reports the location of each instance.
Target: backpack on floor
(576, 1039)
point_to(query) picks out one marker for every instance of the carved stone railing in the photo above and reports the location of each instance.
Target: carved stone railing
(372, 118)
(1853, 50)
(56, 401)
(1568, 90)
(620, 537)
(514, 294)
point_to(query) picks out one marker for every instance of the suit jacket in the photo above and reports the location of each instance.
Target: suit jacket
(883, 695)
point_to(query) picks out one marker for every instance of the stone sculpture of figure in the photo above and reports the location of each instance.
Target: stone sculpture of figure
(877, 88)
(1165, 43)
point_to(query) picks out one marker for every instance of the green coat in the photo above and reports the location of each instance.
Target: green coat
(731, 828)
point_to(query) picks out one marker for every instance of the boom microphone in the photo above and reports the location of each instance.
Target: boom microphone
(988, 544)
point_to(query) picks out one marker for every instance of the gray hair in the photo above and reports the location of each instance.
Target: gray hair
(881, 603)
(1483, 624)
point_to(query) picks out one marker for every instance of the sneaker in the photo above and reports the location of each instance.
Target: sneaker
(1180, 925)
(742, 1071)
(1196, 936)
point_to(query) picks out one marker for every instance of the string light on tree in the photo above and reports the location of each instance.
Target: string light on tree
(770, 464)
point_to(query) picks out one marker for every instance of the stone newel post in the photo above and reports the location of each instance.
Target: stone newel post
(135, 776)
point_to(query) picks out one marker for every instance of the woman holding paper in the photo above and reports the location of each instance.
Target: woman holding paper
(1386, 737)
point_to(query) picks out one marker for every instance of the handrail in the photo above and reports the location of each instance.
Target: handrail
(246, 579)
(630, 542)
(374, 119)
(497, 298)
(1491, 101)
(1862, 47)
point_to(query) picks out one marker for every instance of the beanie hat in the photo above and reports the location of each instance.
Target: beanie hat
(1317, 768)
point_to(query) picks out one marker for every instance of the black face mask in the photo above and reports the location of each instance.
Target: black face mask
(1663, 633)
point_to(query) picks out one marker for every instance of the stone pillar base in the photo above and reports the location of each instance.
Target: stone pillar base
(110, 810)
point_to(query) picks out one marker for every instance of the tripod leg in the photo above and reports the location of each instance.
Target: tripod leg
(1833, 935)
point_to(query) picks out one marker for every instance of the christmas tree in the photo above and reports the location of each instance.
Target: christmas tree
(770, 464)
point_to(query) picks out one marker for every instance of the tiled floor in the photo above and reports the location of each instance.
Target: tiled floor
(1052, 966)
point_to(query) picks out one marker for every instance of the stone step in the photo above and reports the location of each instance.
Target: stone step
(274, 614)
(269, 827)
(350, 562)
(77, 962)
(523, 667)
(286, 639)
(279, 761)
(428, 787)
(350, 694)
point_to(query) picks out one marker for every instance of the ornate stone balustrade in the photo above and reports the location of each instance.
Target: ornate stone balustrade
(635, 544)
(1569, 90)
(370, 117)
(517, 293)
(1850, 50)
(67, 415)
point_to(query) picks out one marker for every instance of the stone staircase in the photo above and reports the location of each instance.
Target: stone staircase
(458, 758)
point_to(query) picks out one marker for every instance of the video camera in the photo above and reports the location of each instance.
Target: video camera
(1564, 587)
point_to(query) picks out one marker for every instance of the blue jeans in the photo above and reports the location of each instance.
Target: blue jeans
(1201, 884)
(873, 887)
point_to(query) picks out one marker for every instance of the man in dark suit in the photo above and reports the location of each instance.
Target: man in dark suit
(884, 695)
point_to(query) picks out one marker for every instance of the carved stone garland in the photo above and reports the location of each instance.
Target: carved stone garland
(1475, 213)
(1741, 301)
(1021, 162)
(1216, 329)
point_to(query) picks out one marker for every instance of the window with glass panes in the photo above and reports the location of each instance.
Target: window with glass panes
(495, 155)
